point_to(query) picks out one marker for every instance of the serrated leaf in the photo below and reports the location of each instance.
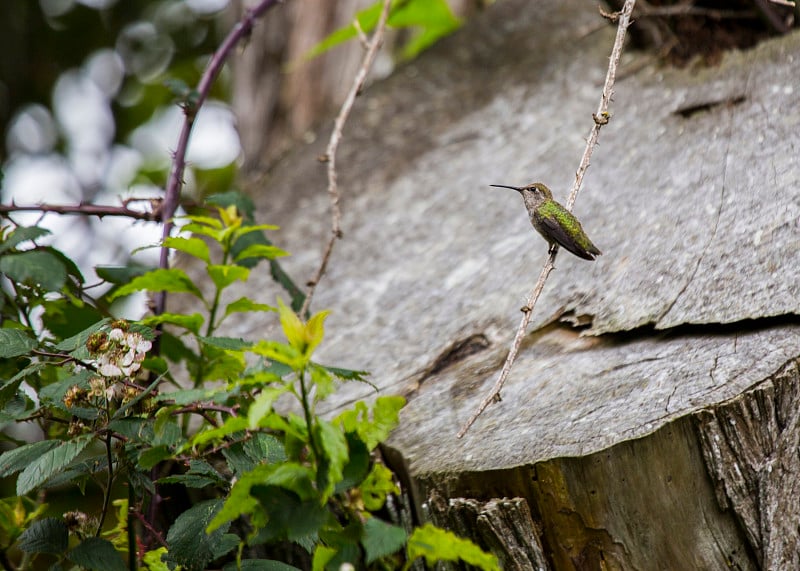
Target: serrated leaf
(170, 280)
(22, 234)
(245, 304)
(435, 544)
(193, 246)
(260, 251)
(381, 539)
(79, 339)
(264, 448)
(34, 267)
(97, 554)
(49, 535)
(223, 276)
(50, 463)
(378, 484)
(188, 543)
(385, 418)
(19, 458)
(191, 322)
(335, 455)
(153, 560)
(15, 342)
(279, 352)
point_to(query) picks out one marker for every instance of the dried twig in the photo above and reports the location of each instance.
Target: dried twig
(172, 195)
(98, 210)
(333, 144)
(601, 117)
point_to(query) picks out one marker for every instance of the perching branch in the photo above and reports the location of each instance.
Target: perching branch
(601, 117)
(372, 47)
(173, 191)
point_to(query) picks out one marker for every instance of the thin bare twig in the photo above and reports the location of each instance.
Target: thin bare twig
(601, 117)
(98, 210)
(173, 191)
(333, 144)
(789, 3)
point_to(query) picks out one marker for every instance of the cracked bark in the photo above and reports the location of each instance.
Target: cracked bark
(750, 446)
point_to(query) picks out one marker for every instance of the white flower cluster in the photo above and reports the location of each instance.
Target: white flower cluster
(122, 353)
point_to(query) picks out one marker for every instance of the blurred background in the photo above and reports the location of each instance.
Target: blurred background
(88, 92)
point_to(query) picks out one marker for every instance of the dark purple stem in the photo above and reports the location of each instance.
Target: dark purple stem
(175, 181)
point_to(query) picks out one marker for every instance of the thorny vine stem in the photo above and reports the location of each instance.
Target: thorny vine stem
(333, 144)
(601, 117)
(173, 191)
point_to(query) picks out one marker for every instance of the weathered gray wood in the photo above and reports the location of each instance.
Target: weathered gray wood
(694, 196)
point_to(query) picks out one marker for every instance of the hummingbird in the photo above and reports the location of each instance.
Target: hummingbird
(554, 222)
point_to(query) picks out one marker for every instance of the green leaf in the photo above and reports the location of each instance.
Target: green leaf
(335, 456)
(19, 458)
(230, 426)
(49, 535)
(226, 343)
(152, 559)
(199, 475)
(120, 274)
(435, 544)
(22, 234)
(153, 456)
(381, 539)
(15, 342)
(260, 565)
(322, 556)
(264, 448)
(292, 326)
(97, 555)
(223, 276)
(80, 339)
(243, 203)
(50, 463)
(34, 267)
(288, 516)
(262, 405)
(433, 16)
(315, 330)
(280, 352)
(188, 543)
(373, 431)
(264, 251)
(245, 304)
(378, 484)
(191, 322)
(170, 280)
(203, 220)
(357, 467)
(348, 374)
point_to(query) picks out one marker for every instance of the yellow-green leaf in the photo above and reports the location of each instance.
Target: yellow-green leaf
(292, 326)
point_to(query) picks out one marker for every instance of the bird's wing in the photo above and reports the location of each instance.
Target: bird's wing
(555, 229)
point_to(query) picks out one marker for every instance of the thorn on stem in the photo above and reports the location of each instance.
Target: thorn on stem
(610, 16)
(497, 398)
(323, 158)
(362, 37)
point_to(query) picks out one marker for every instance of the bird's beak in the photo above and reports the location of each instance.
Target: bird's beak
(517, 188)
